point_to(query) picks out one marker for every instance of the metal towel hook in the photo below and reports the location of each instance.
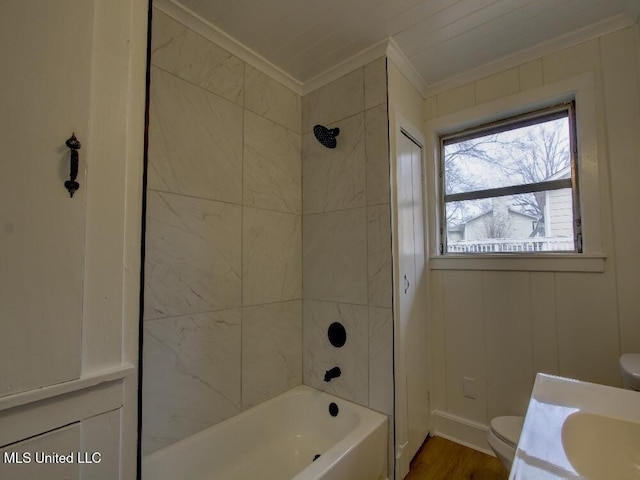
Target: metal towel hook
(74, 159)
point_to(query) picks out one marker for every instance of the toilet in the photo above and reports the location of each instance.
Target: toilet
(630, 371)
(504, 432)
(503, 436)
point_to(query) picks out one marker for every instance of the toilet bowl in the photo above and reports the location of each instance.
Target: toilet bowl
(630, 371)
(503, 436)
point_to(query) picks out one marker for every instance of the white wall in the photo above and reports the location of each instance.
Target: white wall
(501, 327)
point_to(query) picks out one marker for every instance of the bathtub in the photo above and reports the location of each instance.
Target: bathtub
(278, 440)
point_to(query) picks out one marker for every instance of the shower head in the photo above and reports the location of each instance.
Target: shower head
(326, 136)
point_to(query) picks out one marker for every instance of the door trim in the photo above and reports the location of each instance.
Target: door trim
(399, 125)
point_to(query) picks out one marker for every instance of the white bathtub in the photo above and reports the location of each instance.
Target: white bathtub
(278, 440)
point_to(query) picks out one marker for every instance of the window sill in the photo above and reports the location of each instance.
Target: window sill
(593, 263)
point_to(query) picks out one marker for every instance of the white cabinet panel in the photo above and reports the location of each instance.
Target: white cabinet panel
(69, 267)
(46, 49)
(49, 456)
(99, 441)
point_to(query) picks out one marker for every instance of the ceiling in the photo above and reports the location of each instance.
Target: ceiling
(441, 39)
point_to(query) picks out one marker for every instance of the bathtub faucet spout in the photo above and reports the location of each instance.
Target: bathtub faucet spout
(331, 374)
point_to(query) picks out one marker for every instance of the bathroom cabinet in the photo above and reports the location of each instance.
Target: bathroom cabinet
(69, 265)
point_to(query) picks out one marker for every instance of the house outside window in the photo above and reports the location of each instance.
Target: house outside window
(511, 186)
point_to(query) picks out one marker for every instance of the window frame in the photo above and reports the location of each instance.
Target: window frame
(565, 109)
(446, 112)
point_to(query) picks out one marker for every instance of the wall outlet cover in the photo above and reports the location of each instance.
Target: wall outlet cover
(469, 387)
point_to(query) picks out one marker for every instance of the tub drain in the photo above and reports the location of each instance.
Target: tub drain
(316, 457)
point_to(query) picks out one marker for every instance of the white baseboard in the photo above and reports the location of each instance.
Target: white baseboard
(460, 430)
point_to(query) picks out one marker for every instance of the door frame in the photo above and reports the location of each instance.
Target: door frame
(399, 125)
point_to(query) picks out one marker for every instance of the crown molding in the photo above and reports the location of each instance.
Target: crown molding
(389, 48)
(347, 66)
(397, 56)
(209, 31)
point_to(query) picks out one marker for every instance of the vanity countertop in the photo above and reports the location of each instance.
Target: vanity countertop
(579, 430)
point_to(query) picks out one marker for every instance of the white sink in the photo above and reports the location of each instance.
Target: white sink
(602, 447)
(578, 430)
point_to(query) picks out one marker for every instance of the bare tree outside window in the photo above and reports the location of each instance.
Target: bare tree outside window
(542, 152)
(522, 166)
(497, 225)
(457, 177)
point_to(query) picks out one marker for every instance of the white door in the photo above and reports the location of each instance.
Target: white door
(411, 347)
(416, 328)
(67, 359)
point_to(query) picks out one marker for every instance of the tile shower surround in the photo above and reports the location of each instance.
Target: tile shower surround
(347, 238)
(223, 298)
(228, 232)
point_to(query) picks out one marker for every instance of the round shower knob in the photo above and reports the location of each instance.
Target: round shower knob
(337, 334)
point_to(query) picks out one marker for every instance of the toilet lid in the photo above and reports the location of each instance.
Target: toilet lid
(630, 366)
(507, 429)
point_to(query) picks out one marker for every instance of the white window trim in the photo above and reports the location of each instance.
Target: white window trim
(582, 89)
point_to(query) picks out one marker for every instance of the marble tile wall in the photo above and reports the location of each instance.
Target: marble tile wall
(223, 266)
(347, 238)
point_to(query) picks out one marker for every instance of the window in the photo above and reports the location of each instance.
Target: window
(511, 186)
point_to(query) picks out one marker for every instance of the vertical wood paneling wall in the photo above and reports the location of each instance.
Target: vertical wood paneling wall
(501, 327)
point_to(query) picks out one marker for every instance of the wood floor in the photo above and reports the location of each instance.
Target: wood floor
(441, 459)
